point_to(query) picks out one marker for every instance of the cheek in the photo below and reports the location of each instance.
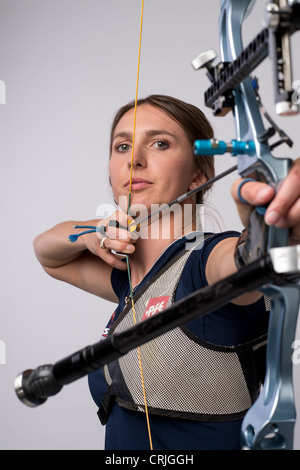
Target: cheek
(181, 173)
(175, 182)
(113, 173)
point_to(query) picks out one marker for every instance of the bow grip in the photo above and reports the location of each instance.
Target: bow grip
(262, 237)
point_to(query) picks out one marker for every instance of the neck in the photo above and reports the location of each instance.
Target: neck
(155, 238)
(146, 254)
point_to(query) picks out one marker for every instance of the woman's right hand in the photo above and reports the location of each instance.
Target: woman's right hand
(83, 263)
(114, 243)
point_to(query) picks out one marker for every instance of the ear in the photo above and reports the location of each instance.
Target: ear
(197, 180)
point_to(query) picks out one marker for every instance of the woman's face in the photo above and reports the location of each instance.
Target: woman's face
(163, 167)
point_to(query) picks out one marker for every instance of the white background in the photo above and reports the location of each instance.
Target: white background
(68, 65)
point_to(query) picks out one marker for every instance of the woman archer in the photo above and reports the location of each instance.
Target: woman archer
(196, 382)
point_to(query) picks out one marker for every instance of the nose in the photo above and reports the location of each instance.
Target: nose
(138, 159)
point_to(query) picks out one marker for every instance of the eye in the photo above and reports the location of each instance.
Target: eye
(123, 147)
(161, 145)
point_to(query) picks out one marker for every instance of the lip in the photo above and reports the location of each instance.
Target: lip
(137, 183)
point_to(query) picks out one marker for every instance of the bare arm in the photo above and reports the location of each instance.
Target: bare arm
(283, 211)
(83, 263)
(220, 264)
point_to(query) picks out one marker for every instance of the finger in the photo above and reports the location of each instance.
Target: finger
(120, 220)
(254, 193)
(247, 194)
(113, 261)
(118, 246)
(118, 227)
(117, 219)
(123, 218)
(115, 233)
(285, 204)
(291, 218)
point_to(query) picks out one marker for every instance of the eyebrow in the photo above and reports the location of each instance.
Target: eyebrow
(149, 133)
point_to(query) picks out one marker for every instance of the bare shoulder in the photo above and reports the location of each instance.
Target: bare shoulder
(220, 263)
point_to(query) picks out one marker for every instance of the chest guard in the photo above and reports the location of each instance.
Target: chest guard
(184, 376)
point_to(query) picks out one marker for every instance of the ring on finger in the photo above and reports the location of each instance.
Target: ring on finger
(102, 243)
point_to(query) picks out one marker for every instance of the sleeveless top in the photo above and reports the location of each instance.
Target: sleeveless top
(184, 375)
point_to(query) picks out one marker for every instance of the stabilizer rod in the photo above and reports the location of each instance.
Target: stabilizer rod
(33, 387)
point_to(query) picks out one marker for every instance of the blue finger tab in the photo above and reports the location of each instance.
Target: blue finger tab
(246, 180)
(74, 237)
(102, 229)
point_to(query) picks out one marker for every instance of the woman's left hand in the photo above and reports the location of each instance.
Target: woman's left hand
(284, 206)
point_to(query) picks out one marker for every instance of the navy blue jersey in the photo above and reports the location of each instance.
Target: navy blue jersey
(229, 325)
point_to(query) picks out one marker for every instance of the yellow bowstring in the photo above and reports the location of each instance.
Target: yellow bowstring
(129, 202)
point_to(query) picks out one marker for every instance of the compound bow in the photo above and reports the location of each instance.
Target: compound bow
(270, 421)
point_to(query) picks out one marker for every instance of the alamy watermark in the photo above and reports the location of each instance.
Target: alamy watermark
(296, 352)
(161, 222)
(2, 352)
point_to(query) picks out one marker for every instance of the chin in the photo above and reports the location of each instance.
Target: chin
(139, 208)
(122, 202)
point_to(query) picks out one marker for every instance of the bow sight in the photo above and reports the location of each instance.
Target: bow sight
(282, 19)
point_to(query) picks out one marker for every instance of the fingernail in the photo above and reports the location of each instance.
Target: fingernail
(263, 192)
(130, 248)
(272, 217)
(134, 235)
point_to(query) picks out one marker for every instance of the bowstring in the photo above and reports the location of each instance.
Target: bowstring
(129, 203)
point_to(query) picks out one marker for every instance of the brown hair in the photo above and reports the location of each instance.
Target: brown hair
(189, 117)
